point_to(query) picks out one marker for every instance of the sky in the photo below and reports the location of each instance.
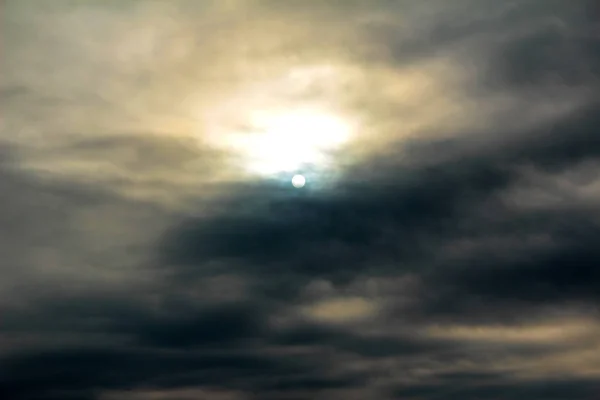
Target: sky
(445, 244)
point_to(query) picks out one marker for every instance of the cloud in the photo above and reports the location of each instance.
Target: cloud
(183, 394)
(340, 310)
(448, 251)
(546, 390)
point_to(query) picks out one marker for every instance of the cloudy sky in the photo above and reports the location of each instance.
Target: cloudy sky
(446, 244)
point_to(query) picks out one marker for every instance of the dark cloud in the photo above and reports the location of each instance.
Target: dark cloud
(224, 325)
(565, 271)
(84, 370)
(473, 255)
(553, 55)
(333, 235)
(475, 387)
(379, 346)
(401, 216)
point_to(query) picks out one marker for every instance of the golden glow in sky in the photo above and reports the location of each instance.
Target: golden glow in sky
(283, 122)
(284, 141)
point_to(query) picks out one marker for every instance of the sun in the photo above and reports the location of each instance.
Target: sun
(285, 141)
(298, 181)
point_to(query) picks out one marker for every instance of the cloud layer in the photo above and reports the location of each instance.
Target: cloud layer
(448, 250)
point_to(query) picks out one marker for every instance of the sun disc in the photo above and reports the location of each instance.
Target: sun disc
(298, 181)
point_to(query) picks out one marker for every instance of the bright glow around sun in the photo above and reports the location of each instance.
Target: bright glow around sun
(298, 181)
(285, 141)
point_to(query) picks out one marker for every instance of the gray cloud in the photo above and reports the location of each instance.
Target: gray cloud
(450, 251)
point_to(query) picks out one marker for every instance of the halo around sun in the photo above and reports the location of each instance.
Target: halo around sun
(277, 141)
(283, 142)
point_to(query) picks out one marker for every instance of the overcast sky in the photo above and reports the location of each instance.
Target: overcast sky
(446, 245)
